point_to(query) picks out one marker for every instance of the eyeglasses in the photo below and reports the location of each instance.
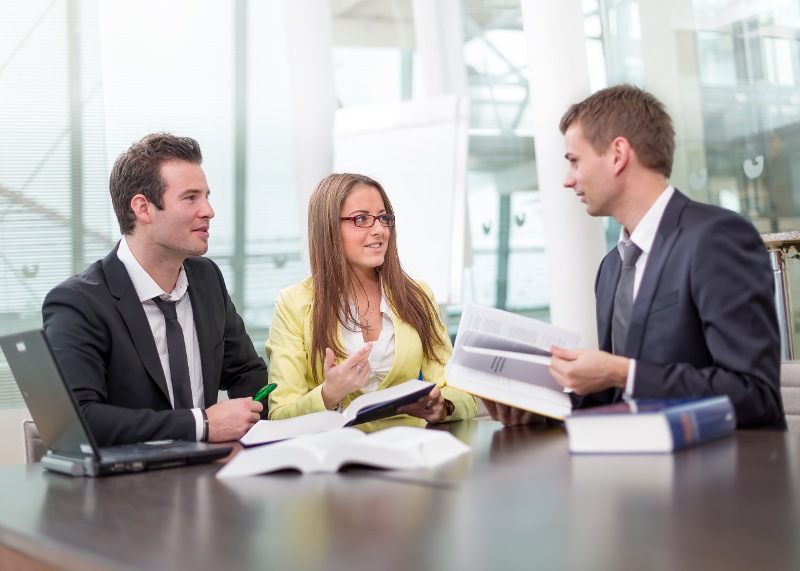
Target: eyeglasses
(368, 220)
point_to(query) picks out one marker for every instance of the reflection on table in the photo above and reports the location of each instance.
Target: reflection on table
(519, 500)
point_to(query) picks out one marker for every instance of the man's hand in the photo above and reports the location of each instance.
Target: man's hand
(230, 419)
(587, 371)
(509, 415)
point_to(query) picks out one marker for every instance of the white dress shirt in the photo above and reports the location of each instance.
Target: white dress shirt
(146, 289)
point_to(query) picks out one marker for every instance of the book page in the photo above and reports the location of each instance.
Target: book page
(304, 453)
(497, 329)
(546, 401)
(265, 431)
(533, 369)
(399, 448)
(471, 338)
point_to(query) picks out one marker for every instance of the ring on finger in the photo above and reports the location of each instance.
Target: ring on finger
(428, 405)
(359, 368)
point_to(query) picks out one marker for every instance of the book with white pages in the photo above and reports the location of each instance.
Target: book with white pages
(364, 408)
(395, 448)
(505, 357)
(492, 328)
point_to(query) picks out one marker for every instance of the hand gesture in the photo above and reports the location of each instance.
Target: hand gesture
(345, 378)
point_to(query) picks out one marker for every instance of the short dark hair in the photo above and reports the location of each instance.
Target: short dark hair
(138, 171)
(630, 112)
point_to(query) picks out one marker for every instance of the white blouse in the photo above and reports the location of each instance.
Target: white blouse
(381, 357)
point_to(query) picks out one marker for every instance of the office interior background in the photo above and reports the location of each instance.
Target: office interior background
(264, 85)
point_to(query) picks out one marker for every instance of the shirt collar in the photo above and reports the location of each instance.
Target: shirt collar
(645, 233)
(383, 308)
(145, 286)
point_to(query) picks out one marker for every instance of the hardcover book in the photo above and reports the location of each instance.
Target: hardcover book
(395, 448)
(504, 357)
(364, 408)
(650, 426)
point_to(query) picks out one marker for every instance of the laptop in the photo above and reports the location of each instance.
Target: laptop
(71, 448)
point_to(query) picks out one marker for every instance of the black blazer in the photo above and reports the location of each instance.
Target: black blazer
(704, 321)
(103, 343)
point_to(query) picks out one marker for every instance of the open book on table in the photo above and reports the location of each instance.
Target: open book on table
(505, 357)
(364, 408)
(395, 448)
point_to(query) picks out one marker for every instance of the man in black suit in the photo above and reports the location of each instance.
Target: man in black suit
(110, 334)
(700, 318)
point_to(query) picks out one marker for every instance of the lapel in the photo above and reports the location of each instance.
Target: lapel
(198, 296)
(605, 290)
(668, 232)
(130, 308)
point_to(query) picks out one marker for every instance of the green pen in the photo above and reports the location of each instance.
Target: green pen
(265, 391)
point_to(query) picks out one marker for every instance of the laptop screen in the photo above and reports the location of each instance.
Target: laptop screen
(51, 404)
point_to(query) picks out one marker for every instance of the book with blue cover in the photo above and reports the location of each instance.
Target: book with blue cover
(650, 426)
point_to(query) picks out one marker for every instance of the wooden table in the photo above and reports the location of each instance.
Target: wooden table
(518, 501)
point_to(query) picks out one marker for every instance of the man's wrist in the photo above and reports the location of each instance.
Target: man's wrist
(206, 426)
(630, 379)
(621, 374)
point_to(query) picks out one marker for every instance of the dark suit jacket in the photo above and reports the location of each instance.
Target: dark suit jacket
(704, 321)
(105, 348)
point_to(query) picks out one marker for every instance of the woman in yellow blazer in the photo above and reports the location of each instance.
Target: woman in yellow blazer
(359, 323)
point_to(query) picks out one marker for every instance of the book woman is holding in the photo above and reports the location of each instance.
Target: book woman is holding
(358, 323)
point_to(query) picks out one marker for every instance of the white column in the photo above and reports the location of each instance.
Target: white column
(439, 36)
(671, 74)
(574, 241)
(439, 33)
(310, 57)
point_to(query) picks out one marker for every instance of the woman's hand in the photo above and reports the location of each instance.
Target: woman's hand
(429, 408)
(345, 378)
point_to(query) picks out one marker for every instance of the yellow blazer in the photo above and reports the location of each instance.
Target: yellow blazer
(289, 351)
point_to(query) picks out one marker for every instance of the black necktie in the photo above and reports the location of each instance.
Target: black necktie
(623, 299)
(178, 363)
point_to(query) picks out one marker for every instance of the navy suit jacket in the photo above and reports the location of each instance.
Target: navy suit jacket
(105, 348)
(704, 321)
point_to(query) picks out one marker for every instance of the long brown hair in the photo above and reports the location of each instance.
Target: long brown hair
(333, 278)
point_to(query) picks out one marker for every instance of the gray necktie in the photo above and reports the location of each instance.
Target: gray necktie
(623, 299)
(178, 362)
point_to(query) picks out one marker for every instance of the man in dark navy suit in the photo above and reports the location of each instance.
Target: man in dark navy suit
(136, 374)
(685, 302)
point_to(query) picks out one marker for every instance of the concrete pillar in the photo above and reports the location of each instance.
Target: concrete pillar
(310, 47)
(439, 33)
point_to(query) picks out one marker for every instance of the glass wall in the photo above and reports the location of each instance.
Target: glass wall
(79, 81)
(729, 71)
(504, 210)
